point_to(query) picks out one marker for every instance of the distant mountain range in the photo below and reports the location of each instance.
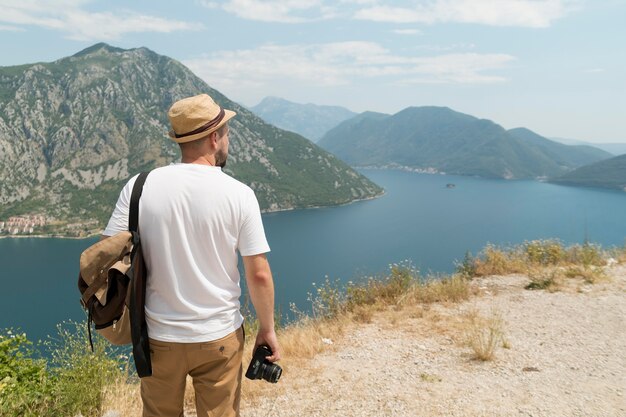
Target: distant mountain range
(614, 148)
(72, 131)
(438, 139)
(609, 173)
(309, 120)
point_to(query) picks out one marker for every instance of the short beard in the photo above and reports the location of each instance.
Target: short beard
(220, 158)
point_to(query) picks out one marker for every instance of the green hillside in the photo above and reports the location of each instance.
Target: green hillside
(440, 139)
(610, 173)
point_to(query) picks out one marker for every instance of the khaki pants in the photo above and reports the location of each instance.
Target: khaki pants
(214, 366)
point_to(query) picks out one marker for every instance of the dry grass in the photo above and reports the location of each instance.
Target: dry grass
(403, 295)
(484, 335)
(430, 377)
(495, 261)
(620, 255)
(590, 274)
(124, 397)
(545, 279)
(564, 278)
(549, 265)
(452, 289)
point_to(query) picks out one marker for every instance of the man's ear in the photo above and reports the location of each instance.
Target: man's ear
(213, 137)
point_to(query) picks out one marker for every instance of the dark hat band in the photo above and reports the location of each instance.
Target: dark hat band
(216, 121)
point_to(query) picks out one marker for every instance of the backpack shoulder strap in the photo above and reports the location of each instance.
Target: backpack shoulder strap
(133, 216)
(138, 273)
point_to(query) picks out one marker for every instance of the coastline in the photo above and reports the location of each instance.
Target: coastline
(48, 236)
(89, 236)
(321, 207)
(434, 171)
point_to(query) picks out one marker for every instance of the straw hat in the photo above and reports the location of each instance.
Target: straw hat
(196, 117)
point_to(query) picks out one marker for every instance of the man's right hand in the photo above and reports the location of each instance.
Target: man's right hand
(269, 338)
(261, 289)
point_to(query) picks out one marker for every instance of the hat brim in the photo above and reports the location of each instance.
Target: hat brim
(228, 114)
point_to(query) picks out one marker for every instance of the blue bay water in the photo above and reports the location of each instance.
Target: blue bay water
(418, 219)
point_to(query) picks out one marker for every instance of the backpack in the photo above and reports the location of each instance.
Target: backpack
(112, 283)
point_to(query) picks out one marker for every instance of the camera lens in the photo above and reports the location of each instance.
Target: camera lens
(271, 372)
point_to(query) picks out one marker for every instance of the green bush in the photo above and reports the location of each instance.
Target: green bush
(24, 384)
(328, 300)
(544, 252)
(587, 255)
(543, 280)
(467, 267)
(388, 290)
(71, 382)
(79, 374)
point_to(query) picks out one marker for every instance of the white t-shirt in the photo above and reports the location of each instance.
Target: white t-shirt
(192, 220)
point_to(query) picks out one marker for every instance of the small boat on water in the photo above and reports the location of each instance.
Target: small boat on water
(450, 185)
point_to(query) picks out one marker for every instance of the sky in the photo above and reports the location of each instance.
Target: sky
(557, 67)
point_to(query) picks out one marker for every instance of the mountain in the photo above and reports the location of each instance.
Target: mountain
(74, 130)
(309, 120)
(614, 148)
(565, 155)
(438, 139)
(610, 173)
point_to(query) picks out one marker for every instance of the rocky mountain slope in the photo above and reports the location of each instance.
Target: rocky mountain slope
(439, 139)
(309, 120)
(72, 131)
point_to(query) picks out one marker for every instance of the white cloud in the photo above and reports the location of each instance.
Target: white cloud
(445, 48)
(11, 28)
(283, 11)
(594, 70)
(70, 17)
(341, 63)
(407, 31)
(521, 13)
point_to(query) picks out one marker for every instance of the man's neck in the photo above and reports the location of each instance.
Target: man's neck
(199, 160)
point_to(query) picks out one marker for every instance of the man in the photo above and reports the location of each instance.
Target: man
(193, 218)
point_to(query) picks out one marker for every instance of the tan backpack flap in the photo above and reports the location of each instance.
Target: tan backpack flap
(97, 259)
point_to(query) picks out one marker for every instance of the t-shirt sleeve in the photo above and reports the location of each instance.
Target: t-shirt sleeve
(252, 239)
(119, 219)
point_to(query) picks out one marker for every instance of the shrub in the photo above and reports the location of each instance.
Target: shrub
(544, 252)
(328, 301)
(543, 280)
(496, 261)
(589, 274)
(79, 374)
(70, 383)
(454, 289)
(587, 254)
(467, 267)
(24, 385)
(484, 335)
(360, 294)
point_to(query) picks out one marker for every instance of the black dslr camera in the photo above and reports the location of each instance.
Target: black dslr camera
(261, 368)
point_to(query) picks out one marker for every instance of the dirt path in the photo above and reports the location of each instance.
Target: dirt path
(566, 356)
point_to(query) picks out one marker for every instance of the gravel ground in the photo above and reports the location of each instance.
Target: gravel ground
(565, 356)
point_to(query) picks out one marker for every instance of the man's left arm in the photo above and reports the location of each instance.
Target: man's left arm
(119, 218)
